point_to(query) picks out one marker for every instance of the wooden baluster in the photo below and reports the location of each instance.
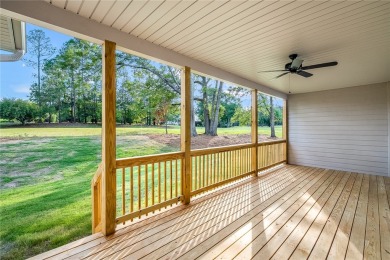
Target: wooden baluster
(226, 165)
(250, 160)
(223, 166)
(139, 187)
(159, 182)
(230, 164)
(207, 170)
(131, 190)
(245, 160)
(123, 192)
(234, 163)
(153, 184)
(220, 167)
(204, 171)
(196, 173)
(146, 185)
(165, 181)
(215, 168)
(176, 178)
(171, 177)
(240, 162)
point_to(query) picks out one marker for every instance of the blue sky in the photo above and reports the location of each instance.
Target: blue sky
(16, 77)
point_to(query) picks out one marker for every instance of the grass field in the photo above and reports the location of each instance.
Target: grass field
(92, 130)
(45, 176)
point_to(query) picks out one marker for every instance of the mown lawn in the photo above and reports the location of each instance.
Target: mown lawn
(45, 173)
(92, 130)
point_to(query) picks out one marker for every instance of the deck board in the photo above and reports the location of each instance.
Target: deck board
(294, 212)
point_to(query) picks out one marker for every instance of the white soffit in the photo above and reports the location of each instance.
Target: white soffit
(244, 37)
(12, 39)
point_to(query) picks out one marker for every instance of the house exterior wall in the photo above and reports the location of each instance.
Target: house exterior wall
(344, 129)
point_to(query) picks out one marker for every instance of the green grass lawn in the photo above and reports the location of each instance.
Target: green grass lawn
(23, 132)
(51, 169)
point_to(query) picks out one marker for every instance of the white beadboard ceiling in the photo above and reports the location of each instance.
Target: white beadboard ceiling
(244, 37)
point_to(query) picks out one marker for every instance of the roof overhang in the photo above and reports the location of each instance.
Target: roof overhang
(49, 16)
(13, 39)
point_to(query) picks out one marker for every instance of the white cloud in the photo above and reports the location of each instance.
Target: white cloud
(22, 89)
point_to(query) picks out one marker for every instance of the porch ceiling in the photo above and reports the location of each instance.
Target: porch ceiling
(244, 37)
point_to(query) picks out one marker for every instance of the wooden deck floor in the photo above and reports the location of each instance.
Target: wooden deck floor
(293, 213)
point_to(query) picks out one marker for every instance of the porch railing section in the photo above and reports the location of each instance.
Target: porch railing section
(270, 154)
(214, 167)
(148, 183)
(96, 187)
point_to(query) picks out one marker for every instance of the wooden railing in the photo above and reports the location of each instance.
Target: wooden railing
(270, 154)
(96, 187)
(214, 167)
(148, 183)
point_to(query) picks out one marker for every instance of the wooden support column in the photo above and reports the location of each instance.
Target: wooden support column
(185, 128)
(254, 132)
(285, 127)
(108, 139)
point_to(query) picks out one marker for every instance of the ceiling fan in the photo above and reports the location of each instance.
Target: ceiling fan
(295, 67)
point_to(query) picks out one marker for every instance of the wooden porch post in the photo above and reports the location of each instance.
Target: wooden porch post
(185, 128)
(254, 132)
(285, 127)
(108, 139)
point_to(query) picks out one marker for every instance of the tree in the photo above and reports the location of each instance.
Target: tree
(242, 116)
(210, 104)
(21, 110)
(40, 48)
(268, 112)
(81, 63)
(167, 79)
(53, 89)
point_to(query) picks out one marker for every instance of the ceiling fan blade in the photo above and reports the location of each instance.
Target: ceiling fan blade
(271, 71)
(281, 75)
(322, 65)
(304, 74)
(296, 63)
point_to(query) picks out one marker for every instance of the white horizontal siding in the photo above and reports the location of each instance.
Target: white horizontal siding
(345, 129)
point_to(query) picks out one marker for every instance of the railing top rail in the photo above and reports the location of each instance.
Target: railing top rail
(220, 149)
(271, 142)
(141, 160)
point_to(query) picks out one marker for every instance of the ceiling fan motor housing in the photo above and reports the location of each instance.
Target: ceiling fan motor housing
(291, 69)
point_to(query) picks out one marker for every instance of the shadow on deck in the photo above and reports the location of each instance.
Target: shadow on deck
(295, 211)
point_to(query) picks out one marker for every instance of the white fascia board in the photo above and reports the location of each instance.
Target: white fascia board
(46, 15)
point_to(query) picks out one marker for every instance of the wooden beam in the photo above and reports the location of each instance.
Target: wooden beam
(285, 127)
(108, 139)
(254, 132)
(185, 127)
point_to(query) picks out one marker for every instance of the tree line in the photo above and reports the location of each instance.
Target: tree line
(67, 88)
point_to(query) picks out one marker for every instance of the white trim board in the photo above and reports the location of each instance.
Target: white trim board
(46, 15)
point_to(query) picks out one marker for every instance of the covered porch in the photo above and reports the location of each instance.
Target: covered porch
(292, 212)
(321, 191)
